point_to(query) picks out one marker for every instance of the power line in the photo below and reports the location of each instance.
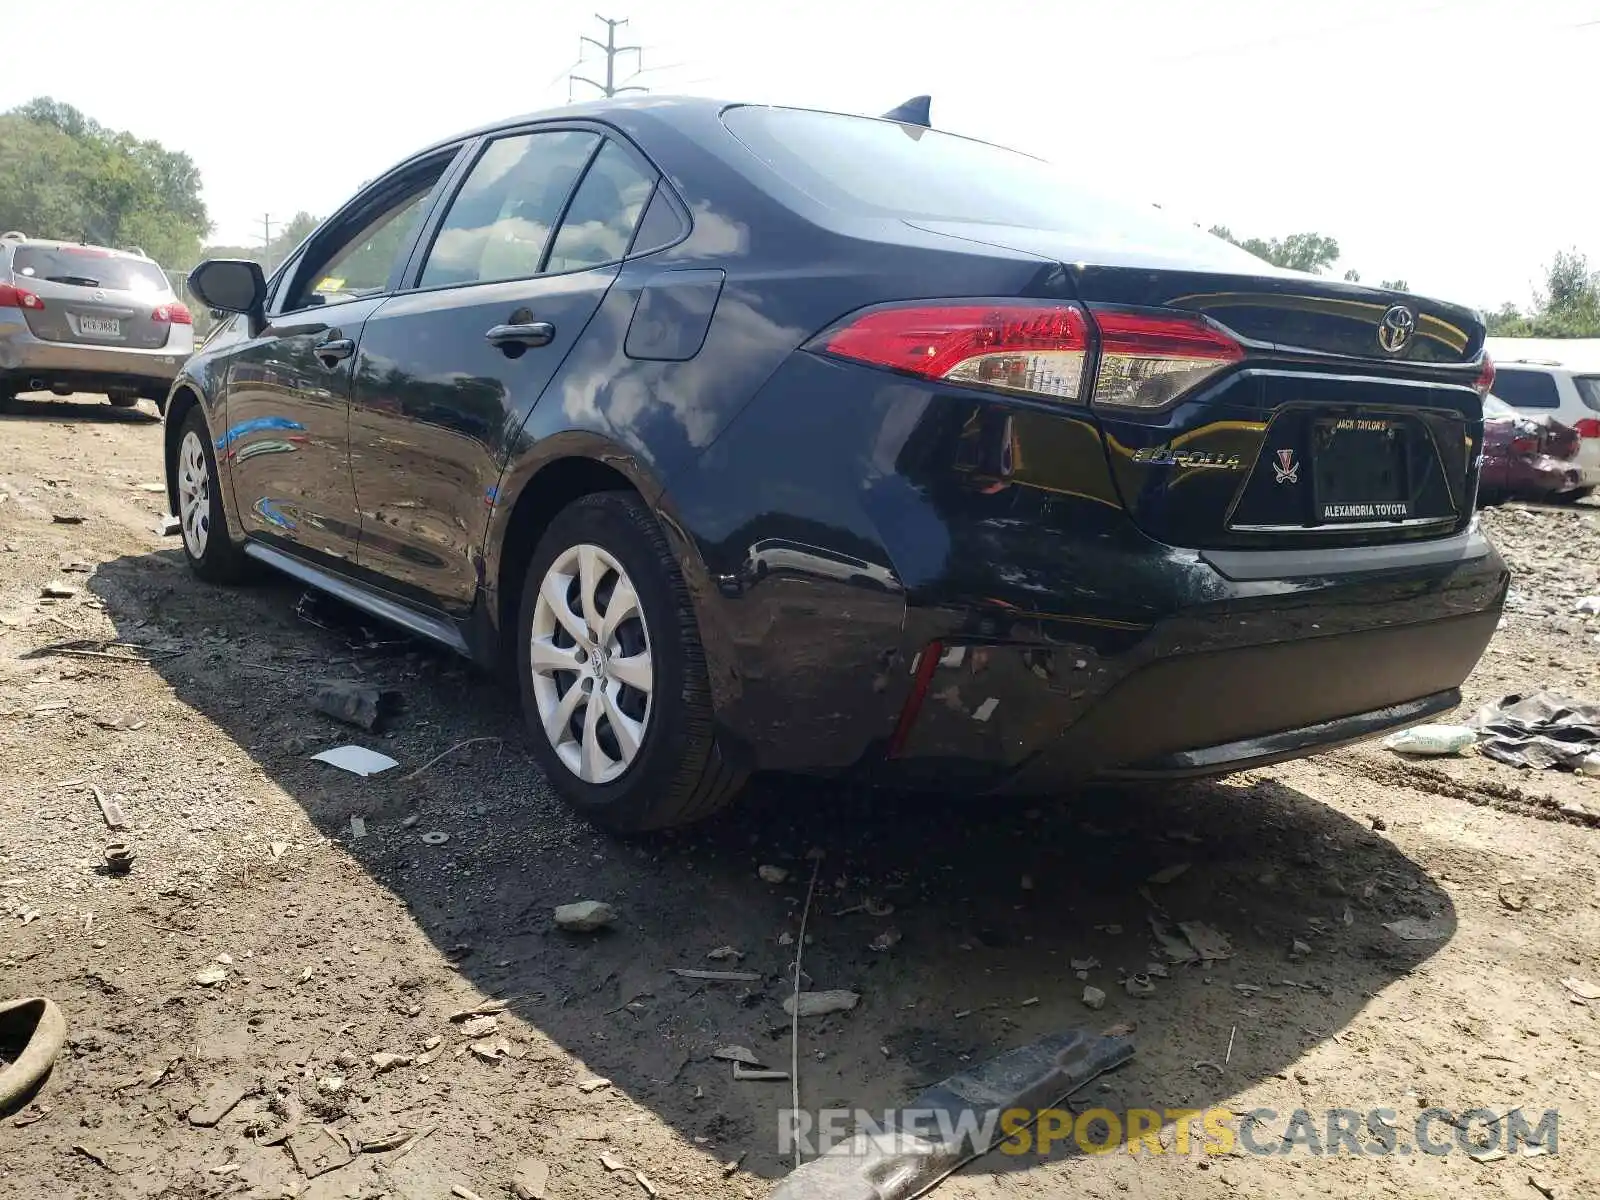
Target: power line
(266, 238)
(611, 50)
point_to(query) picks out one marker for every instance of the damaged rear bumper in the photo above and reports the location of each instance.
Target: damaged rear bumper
(1266, 669)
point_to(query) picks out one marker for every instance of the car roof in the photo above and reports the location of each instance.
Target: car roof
(1551, 354)
(53, 244)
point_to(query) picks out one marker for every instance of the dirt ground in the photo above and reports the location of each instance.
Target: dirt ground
(332, 947)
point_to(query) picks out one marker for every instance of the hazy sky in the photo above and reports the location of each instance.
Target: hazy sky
(1447, 142)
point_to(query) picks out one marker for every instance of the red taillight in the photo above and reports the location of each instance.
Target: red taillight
(1147, 358)
(173, 312)
(1524, 445)
(15, 297)
(1017, 347)
(1589, 427)
(1484, 383)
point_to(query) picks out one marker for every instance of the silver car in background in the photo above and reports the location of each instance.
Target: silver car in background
(80, 318)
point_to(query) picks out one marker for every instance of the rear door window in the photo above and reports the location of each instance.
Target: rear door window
(86, 266)
(599, 222)
(1589, 390)
(1526, 389)
(499, 224)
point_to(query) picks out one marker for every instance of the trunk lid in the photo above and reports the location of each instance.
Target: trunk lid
(93, 297)
(1352, 418)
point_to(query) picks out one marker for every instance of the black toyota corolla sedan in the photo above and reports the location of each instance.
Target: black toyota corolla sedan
(758, 438)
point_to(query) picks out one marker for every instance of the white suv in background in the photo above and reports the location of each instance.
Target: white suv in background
(1565, 388)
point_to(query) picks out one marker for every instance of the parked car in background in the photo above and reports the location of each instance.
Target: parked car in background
(764, 438)
(1565, 390)
(81, 318)
(1527, 457)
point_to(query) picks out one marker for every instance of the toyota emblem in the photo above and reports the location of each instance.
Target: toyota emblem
(1396, 328)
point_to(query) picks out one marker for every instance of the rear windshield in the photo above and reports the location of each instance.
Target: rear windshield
(1526, 389)
(1589, 389)
(85, 266)
(871, 167)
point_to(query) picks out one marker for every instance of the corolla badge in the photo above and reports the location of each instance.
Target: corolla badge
(1287, 470)
(1395, 329)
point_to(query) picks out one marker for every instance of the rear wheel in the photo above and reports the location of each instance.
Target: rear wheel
(211, 554)
(123, 399)
(613, 676)
(1575, 495)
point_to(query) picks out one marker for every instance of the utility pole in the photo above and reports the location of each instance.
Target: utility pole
(610, 49)
(266, 239)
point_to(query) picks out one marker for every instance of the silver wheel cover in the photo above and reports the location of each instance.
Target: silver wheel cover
(590, 657)
(194, 494)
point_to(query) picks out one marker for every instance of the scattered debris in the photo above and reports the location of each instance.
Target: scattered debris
(1140, 985)
(530, 1179)
(354, 702)
(439, 758)
(1085, 964)
(724, 954)
(212, 976)
(318, 1151)
(1094, 998)
(887, 940)
(358, 760)
(1582, 988)
(169, 527)
(1418, 929)
(384, 1061)
(481, 1026)
(358, 827)
(737, 1054)
(611, 1162)
(463, 1193)
(743, 1074)
(278, 850)
(770, 874)
(487, 1009)
(590, 1086)
(220, 1099)
(650, 1188)
(1432, 740)
(110, 809)
(1543, 1186)
(1538, 730)
(67, 518)
(584, 916)
(118, 857)
(1513, 897)
(817, 1004)
(717, 976)
(733, 1164)
(1168, 874)
(1299, 949)
(37, 1025)
(58, 590)
(435, 837)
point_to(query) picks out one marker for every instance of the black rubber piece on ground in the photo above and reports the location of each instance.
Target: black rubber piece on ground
(681, 774)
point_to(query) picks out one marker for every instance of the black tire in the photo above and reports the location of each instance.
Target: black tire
(219, 560)
(123, 400)
(1575, 495)
(679, 773)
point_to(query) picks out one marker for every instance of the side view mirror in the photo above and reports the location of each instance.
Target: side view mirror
(232, 285)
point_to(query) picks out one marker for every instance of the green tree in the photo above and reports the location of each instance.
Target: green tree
(1313, 252)
(64, 175)
(1567, 306)
(1395, 285)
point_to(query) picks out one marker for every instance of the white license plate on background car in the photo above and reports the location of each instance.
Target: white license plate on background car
(100, 326)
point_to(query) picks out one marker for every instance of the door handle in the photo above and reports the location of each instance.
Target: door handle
(532, 333)
(334, 350)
